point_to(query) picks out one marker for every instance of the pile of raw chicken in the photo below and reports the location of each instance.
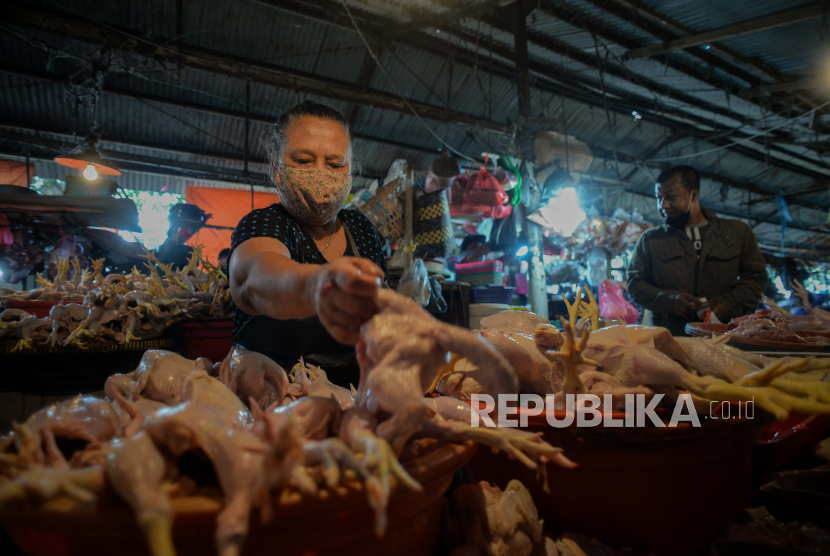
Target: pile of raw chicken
(93, 309)
(265, 432)
(618, 359)
(778, 324)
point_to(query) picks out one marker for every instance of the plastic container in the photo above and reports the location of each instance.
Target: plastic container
(783, 441)
(210, 338)
(491, 294)
(40, 309)
(666, 491)
(480, 310)
(339, 524)
(521, 283)
(462, 269)
(485, 273)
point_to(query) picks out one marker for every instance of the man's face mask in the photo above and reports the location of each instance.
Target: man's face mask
(313, 196)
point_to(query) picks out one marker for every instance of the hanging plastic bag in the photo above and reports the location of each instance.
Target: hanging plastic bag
(597, 267)
(484, 189)
(414, 283)
(612, 303)
(501, 211)
(457, 203)
(6, 236)
(399, 168)
(442, 173)
(504, 236)
(506, 178)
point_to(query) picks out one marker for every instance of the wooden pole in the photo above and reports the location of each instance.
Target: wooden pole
(409, 207)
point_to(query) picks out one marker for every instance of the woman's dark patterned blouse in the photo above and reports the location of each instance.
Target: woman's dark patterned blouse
(276, 222)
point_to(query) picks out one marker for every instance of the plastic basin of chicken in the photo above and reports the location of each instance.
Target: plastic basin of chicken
(211, 338)
(664, 490)
(339, 523)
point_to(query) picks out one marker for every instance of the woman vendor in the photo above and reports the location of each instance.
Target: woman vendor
(304, 273)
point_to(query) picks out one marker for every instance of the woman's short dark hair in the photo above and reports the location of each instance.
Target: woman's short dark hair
(686, 175)
(276, 144)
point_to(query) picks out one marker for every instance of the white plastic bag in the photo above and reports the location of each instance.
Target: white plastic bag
(415, 282)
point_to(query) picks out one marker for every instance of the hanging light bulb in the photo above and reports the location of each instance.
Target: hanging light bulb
(90, 172)
(85, 157)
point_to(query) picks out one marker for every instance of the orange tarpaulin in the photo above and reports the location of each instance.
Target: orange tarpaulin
(227, 206)
(13, 172)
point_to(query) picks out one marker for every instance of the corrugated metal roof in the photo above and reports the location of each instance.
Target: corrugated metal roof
(171, 131)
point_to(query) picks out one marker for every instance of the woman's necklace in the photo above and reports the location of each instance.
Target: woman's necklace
(334, 227)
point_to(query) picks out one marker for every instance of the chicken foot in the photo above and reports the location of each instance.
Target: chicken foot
(571, 356)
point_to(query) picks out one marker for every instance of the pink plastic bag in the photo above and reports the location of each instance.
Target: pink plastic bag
(612, 303)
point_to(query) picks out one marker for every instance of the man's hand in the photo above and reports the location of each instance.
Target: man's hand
(685, 305)
(720, 312)
(344, 294)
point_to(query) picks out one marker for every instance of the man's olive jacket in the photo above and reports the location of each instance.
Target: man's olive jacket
(730, 271)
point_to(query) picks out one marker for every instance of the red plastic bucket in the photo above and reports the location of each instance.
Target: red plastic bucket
(664, 490)
(210, 338)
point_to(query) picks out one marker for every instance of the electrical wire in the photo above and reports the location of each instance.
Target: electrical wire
(403, 98)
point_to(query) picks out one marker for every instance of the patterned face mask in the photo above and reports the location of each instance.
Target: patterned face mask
(313, 196)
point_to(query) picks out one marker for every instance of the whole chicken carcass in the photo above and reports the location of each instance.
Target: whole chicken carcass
(607, 339)
(524, 322)
(169, 378)
(79, 421)
(496, 522)
(235, 453)
(250, 374)
(400, 351)
(525, 351)
(320, 385)
(461, 381)
(537, 374)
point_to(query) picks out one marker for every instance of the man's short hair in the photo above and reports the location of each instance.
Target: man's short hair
(686, 175)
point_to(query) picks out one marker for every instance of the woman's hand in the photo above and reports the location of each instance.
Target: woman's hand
(343, 295)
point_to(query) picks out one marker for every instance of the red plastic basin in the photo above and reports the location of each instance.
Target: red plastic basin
(663, 490)
(210, 338)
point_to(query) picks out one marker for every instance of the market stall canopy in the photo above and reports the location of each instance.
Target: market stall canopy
(102, 212)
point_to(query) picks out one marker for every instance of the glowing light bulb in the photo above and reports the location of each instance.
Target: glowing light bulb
(522, 251)
(90, 172)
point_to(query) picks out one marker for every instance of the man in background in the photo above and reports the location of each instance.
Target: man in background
(223, 260)
(694, 258)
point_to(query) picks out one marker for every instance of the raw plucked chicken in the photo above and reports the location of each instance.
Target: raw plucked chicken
(632, 359)
(483, 519)
(170, 415)
(250, 374)
(95, 309)
(169, 378)
(74, 423)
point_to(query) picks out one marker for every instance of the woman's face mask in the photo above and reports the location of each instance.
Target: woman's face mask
(313, 196)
